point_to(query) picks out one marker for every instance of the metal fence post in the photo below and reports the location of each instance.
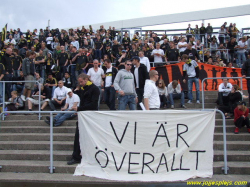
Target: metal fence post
(51, 143)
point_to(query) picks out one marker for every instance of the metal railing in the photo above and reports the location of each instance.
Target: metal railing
(39, 100)
(202, 88)
(224, 138)
(221, 50)
(51, 167)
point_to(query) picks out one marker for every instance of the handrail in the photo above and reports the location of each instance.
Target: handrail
(202, 82)
(39, 100)
(51, 167)
(224, 137)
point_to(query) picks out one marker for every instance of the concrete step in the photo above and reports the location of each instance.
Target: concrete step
(236, 168)
(232, 137)
(34, 166)
(233, 145)
(35, 145)
(68, 145)
(218, 136)
(65, 180)
(35, 123)
(234, 156)
(37, 129)
(36, 136)
(42, 155)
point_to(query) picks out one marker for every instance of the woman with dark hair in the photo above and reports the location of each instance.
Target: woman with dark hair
(234, 97)
(163, 93)
(241, 117)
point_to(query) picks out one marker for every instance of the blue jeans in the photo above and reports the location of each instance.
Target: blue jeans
(241, 59)
(8, 77)
(176, 96)
(73, 69)
(126, 100)
(42, 72)
(109, 93)
(98, 54)
(194, 80)
(16, 73)
(61, 117)
(18, 87)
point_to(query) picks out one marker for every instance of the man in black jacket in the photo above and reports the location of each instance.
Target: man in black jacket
(140, 75)
(6, 61)
(109, 90)
(192, 53)
(245, 71)
(89, 95)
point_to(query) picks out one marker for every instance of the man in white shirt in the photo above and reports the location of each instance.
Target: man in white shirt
(242, 46)
(95, 75)
(59, 96)
(158, 53)
(11, 40)
(72, 101)
(144, 60)
(174, 91)
(182, 46)
(224, 90)
(151, 95)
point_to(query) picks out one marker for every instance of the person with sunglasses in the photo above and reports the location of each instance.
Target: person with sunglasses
(124, 84)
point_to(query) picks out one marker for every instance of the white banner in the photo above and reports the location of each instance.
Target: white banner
(166, 145)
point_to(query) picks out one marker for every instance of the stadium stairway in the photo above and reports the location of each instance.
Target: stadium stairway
(24, 150)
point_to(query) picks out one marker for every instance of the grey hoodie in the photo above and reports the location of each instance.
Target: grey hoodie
(124, 81)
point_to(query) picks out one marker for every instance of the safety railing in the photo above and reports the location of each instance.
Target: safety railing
(171, 62)
(51, 167)
(4, 91)
(225, 168)
(202, 88)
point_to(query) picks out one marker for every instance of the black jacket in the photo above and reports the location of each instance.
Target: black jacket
(142, 75)
(192, 54)
(114, 72)
(246, 68)
(6, 61)
(89, 96)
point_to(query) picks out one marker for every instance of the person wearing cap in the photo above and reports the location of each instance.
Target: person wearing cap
(241, 117)
(124, 84)
(72, 101)
(122, 60)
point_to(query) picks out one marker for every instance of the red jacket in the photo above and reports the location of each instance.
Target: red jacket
(238, 113)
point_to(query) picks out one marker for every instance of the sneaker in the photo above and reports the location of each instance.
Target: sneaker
(172, 106)
(23, 97)
(236, 130)
(183, 106)
(248, 130)
(189, 102)
(198, 102)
